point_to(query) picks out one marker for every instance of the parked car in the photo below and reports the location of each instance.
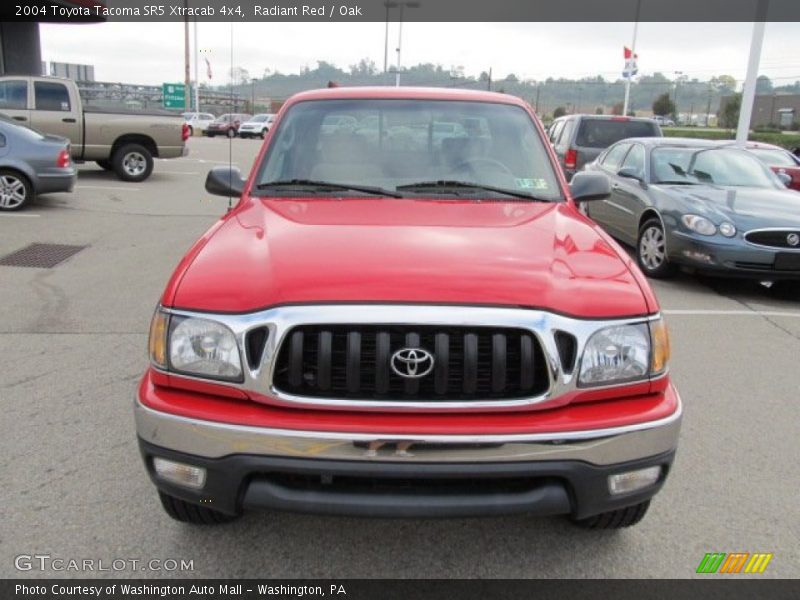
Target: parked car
(256, 126)
(227, 125)
(381, 327)
(198, 121)
(664, 121)
(700, 204)
(122, 141)
(579, 139)
(785, 164)
(31, 164)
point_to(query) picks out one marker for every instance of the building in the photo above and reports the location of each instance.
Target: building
(779, 110)
(72, 71)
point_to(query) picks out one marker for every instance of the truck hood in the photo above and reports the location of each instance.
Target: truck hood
(311, 250)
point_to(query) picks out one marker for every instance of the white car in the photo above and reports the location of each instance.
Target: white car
(664, 121)
(257, 126)
(198, 121)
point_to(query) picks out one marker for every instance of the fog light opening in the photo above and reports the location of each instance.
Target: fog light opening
(180, 474)
(632, 481)
(698, 256)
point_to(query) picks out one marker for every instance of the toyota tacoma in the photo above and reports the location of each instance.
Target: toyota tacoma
(391, 323)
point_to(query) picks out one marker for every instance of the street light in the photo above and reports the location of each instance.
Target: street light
(679, 76)
(402, 4)
(388, 5)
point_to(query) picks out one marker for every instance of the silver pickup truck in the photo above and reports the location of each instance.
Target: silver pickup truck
(121, 141)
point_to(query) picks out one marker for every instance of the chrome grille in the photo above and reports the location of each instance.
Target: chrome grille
(354, 362)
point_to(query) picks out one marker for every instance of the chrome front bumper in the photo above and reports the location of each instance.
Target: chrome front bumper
(209, 439)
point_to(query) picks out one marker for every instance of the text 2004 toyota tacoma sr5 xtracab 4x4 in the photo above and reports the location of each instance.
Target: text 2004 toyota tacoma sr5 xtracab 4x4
(395, 322)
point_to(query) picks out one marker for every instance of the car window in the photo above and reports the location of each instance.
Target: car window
(613, 158)
(14, 94)
(718, 166)
(601, 133)
(775, 157)
(493, 144)
(635, 160)
(565, 136)
(555, 130)
(51, 96)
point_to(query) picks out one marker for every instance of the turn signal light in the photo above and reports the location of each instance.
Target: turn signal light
(157, 343)
(661, 347)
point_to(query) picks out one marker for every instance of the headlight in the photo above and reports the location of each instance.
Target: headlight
(699, 224)
(204, 348)
(624, 353)
(727, 229)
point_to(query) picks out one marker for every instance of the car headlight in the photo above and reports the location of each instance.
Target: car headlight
(699, 224)
(195, 346)
(624, 353)
(727, 229)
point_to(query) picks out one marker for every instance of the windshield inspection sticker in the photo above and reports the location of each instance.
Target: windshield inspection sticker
(531, 184)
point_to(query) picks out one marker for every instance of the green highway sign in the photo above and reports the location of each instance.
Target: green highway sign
(174, 95)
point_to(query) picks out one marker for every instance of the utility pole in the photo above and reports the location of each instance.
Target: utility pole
(196, 70)
(388, 5)
(187, 80)
(489, 81)
(749, 91)
(402, 4)
(708, 108)
(538, 89)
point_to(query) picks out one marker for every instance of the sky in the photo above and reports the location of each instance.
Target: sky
(152, 53)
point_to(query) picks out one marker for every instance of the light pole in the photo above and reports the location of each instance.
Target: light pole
(402, 4)
(678, 78)
(388, 5)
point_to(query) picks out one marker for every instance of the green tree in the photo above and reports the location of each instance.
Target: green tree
(598, 110)
(763, 85)
(560, 111)
(663, 105)
(729, 115)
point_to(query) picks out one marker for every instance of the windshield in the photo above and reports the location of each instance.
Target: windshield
(601, 133)
(775, 157)
(718, 166)
(259, 118)
(386, 143)
(224, 119)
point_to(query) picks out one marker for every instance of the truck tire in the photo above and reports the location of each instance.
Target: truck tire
(132, 162)
(186, 512)
(615, 519)
(15, 190)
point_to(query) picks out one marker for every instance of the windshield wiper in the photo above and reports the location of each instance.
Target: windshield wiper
(327, 185)
(442, 185)
(677, 182)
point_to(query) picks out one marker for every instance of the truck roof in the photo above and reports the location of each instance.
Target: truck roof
(417, 93)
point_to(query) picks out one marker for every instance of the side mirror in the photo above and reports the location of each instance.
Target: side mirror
(588, 185)
(225, 181)
(785, 178)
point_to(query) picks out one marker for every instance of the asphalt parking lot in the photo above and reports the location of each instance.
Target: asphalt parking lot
(73, 338)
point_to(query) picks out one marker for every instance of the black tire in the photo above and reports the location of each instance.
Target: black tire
(210, 134)
(132, 162)
(263, 134)
(651, 250)
(15, 190)
(231, 133)
(615, 519)
(186, 512)
(105, 165)
(191, 131)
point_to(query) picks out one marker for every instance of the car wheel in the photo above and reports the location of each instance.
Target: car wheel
(615, 519)
(105, 165)
(209, 134)
(15, 190)
(186, 512)
(263, 133)
(191, 131)
(132, 162)
(231, 133)
(651, 250)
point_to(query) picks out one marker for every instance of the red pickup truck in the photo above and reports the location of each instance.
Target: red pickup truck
(398, 323)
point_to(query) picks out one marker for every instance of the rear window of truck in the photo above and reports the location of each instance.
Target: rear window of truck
(601, 133)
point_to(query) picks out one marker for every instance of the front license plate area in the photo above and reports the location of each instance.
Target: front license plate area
(787, 261)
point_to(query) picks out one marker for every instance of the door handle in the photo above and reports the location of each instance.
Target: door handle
(20, 118)
(68, 120)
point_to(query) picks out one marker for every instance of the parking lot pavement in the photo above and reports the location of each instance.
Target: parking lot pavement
(73, 342)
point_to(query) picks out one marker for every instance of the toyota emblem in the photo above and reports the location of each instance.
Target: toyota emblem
(412, 363)
(793, 239)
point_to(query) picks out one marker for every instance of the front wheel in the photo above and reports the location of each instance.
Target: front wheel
(651, 251)
(132, 162)
(15, 190)
(191, 131)
(186, 512)
(615, 519)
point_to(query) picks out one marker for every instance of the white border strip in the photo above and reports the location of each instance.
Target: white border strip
(732, 313)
